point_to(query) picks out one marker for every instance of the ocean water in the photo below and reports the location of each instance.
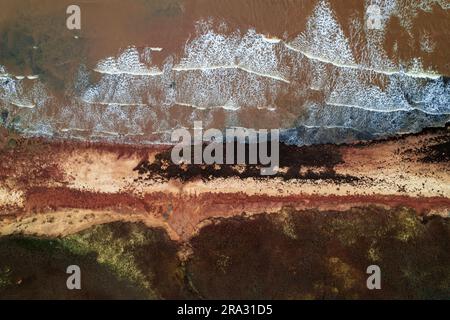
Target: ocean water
(334, 80)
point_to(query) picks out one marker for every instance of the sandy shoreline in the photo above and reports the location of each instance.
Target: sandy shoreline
(72, 186)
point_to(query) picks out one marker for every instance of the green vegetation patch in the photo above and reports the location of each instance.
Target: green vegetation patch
(291, 255)
(117, 261)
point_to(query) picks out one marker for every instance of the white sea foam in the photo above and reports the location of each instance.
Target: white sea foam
(323, 38)
(420, 74)
(237, 67)
(114, 103)
(356, 85)
(133, 73)
(381, 110)
(15, 92)
(324, 41)
(73, 129)
(128, 62)
(23, 105)
(248, 52)
(229, 106)
(272, 40)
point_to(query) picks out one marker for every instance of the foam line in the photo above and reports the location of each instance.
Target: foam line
(412, 74)
(206, 108)
(115, 103)
(133, 73)
(21, 105)
(231, 67)
(384, 111)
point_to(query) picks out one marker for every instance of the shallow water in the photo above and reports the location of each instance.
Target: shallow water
(138, 69)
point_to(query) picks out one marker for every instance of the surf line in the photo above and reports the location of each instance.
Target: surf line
(225, 107)
(132, 73)
(225, 67)
(412, 74)
(385, 111)
(120, 104)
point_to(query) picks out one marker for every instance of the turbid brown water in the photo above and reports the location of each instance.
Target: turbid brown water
(259, 64)
(108, 26)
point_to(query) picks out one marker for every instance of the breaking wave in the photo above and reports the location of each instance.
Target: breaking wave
(321, 86)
